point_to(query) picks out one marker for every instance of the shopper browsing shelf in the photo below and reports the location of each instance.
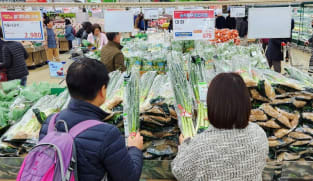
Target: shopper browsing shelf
(101, 149)
(69, 33)
(232, 148)
(111, 54)
(13, 56)
(274, 53)
(51, 42)
(230, 22)
(220, 22)
(96, 37)
(87, 26)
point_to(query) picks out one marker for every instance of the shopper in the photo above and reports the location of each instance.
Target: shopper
(311, 59)
(220, 22)
(79, 34)
(140, 22)
(274, 53)
(96, 37)
(232, 148)
(69, 33)
(111, 54)
(264, 42)
(13, 56)
(101, 149)
(51, 42)
(87, 26)
(243, 31)
(230, 22)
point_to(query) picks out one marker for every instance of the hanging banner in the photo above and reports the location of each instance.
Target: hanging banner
(36, 1)
(22, 26)
(151, 13)
(276, 26)
(237, 12)
(194, 24)
(125, 21)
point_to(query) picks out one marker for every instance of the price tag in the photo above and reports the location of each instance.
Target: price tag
(237, 12)
(203, 91)
(194, 24)
(22, 26)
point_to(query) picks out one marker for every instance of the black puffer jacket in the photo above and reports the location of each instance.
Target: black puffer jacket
(13, 60)
(100, 149)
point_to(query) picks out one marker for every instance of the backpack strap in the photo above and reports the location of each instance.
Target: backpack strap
(82, 126)
(52, 123)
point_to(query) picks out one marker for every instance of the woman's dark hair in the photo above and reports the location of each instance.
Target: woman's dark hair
(92, 76)
(228, 102)
(67, 22)
(87, 26)
(47, 21)
(111, 36)
(94, 27)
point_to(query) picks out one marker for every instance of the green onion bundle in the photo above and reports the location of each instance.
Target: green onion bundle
(131, 103)
(183, 96)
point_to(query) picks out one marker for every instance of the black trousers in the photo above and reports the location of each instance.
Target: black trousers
(70, 44)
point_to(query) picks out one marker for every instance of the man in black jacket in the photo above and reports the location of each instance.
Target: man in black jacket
(274, 53)
(230, 22)
(101, 149)
(13, 56)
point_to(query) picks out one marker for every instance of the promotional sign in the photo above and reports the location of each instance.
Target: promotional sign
(151, 13)
(118, 21)
(82, 17)
(22, 26)
(56, 69)
(265, 22)
(194, 24)
(237, 12)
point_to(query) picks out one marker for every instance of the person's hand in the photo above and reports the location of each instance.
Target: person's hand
(306, 43)
(181, 139)
(136, 141)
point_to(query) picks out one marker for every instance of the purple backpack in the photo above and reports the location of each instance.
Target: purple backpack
(54, 158)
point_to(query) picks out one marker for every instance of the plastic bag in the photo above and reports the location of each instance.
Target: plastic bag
(28, 127)
(10, 85)
(17, 109)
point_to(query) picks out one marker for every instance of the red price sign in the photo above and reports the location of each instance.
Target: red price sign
(33, 35)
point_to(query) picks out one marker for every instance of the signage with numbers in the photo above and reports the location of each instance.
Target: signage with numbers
(22, 26)
(194, 24)
(237, 12)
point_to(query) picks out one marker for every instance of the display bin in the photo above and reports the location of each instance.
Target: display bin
(63, 44)
(154, 170)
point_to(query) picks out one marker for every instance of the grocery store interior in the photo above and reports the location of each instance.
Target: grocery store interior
(145, 85)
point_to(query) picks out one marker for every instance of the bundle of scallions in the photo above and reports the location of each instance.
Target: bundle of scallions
(198, 78)
(131, 102)
(183, 95)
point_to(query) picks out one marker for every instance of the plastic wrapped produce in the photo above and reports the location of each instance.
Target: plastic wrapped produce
(27, 129)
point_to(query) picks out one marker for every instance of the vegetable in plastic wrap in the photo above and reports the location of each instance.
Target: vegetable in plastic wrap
(10, 85)
(28, 127)
(18, 108)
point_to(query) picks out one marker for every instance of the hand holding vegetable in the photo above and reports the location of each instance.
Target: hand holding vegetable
(181, 139)
(136, 141)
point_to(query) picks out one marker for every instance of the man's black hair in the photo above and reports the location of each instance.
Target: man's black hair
(111, 36)
(85, 78)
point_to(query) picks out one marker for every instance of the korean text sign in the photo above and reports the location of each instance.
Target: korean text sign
(194, 24)
(22, 26)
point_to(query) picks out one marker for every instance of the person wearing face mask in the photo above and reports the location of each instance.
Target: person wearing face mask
(311, 59)
(96, 37)
(111, 54)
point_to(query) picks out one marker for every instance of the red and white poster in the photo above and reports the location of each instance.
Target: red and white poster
(194, 24)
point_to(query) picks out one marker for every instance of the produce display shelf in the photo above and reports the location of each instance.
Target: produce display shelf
(154, 170)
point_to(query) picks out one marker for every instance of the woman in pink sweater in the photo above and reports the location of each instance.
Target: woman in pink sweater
(97, 38)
